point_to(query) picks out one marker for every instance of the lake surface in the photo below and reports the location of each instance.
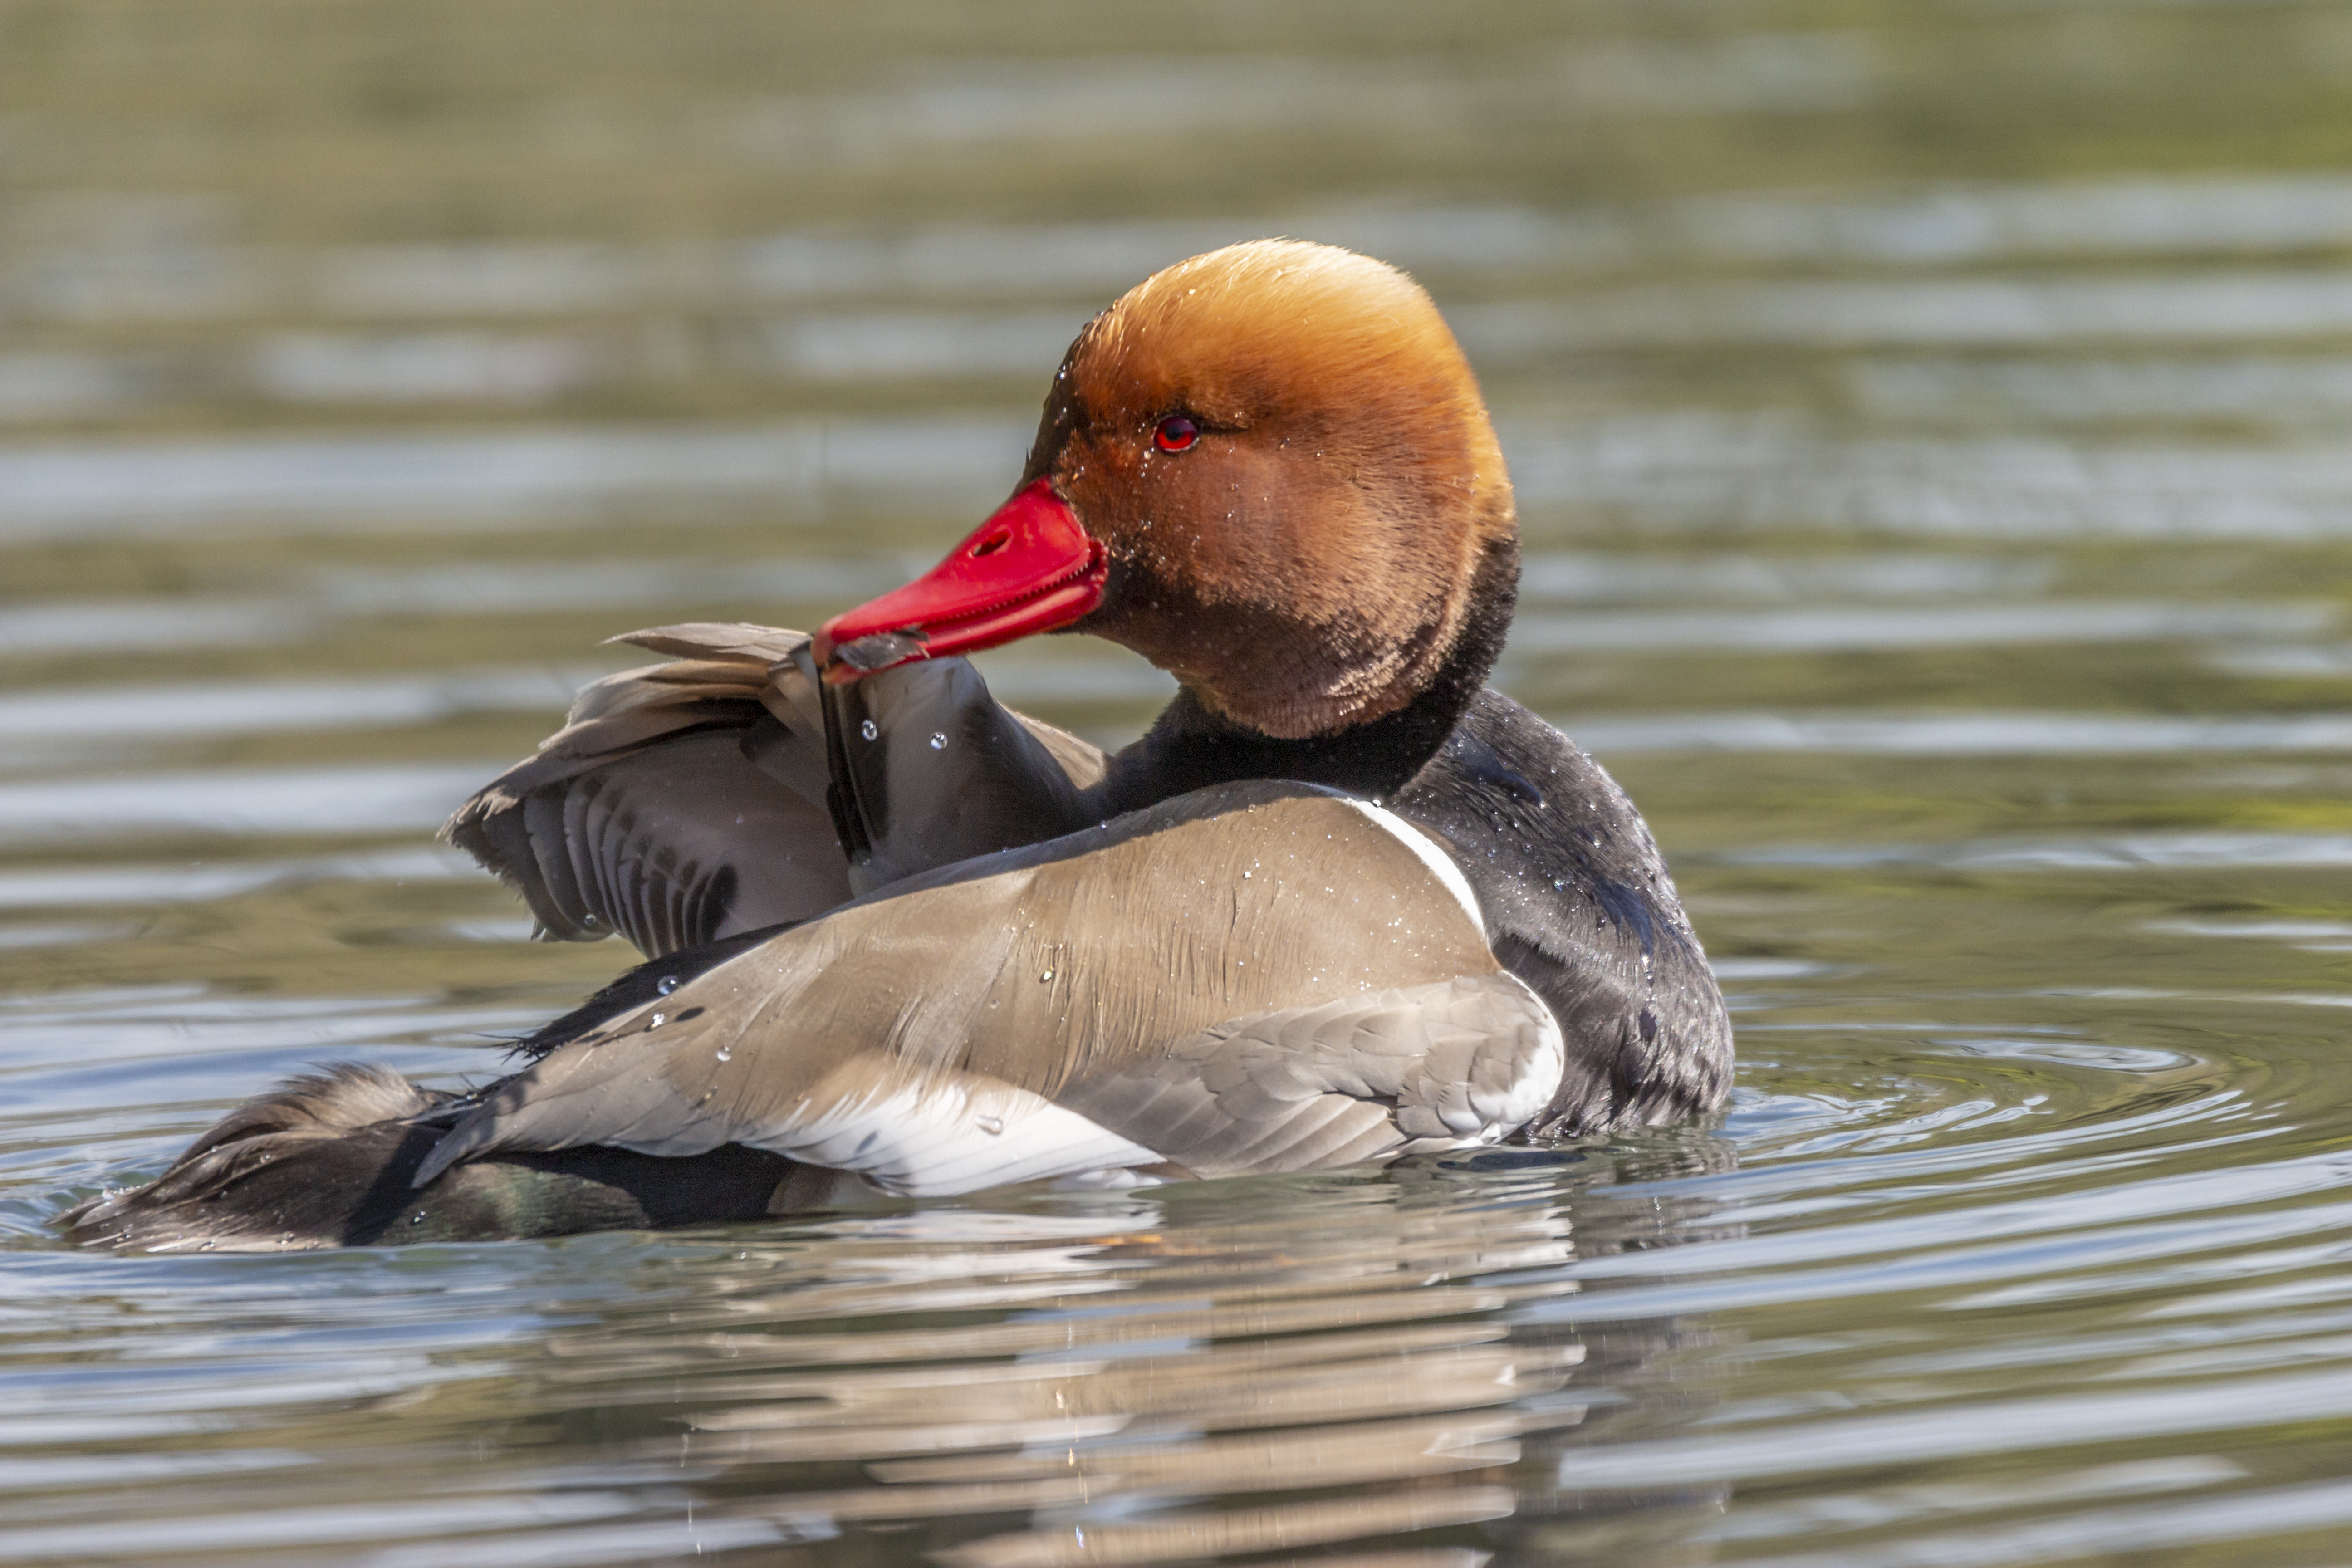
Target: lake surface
(1933, 428)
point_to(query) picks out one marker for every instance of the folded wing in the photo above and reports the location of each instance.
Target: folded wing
(1260, 976)
(1464, 1061)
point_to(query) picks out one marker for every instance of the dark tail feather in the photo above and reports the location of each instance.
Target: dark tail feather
(325, 1161)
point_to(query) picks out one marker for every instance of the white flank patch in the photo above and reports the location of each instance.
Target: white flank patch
(942, 1137)
(1431, 853)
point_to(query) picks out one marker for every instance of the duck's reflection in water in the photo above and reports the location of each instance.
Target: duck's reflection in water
(1341, 1368)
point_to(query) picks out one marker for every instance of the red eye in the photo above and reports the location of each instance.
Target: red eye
(1175, 432)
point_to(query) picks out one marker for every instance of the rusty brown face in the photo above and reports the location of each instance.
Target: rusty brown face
(1278, 478)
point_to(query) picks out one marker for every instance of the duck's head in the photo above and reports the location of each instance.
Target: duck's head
(1266, 469)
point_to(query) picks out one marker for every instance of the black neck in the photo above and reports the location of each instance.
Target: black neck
(1189, 747)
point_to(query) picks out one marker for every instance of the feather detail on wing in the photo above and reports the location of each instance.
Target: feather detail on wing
(1255, 977)
(691, 801)
(651, 814)
(1464, 1061)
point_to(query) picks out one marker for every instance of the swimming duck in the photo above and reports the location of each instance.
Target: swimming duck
(1341, 903)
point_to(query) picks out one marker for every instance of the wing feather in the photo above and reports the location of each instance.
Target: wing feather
(1056, 1011)
(646, 814)
(689, 801)
(1283, 1091)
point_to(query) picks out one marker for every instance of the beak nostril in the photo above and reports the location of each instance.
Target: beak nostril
(992, 544)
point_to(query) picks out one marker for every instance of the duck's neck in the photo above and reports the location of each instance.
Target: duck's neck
(1191, 747)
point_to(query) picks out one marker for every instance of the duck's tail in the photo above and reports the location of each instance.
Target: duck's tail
(326, 1159)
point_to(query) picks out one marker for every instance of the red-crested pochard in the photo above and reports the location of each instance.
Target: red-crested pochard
(1342, 903)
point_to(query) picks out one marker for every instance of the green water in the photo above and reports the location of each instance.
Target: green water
(1933, 427)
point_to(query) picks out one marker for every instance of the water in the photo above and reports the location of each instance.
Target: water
(1934, 432)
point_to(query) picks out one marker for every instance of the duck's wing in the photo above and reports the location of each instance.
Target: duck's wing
(730, 790)
(680, 803)
(1257, 977)
(1434, 1065)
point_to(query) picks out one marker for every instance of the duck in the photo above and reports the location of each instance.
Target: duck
(1342, 903)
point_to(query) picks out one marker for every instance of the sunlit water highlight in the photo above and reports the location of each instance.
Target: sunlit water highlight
(1934, 438)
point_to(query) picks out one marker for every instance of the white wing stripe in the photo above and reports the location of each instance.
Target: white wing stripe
(1430, 854)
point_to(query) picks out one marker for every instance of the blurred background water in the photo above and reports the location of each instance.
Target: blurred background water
(1933, 428)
